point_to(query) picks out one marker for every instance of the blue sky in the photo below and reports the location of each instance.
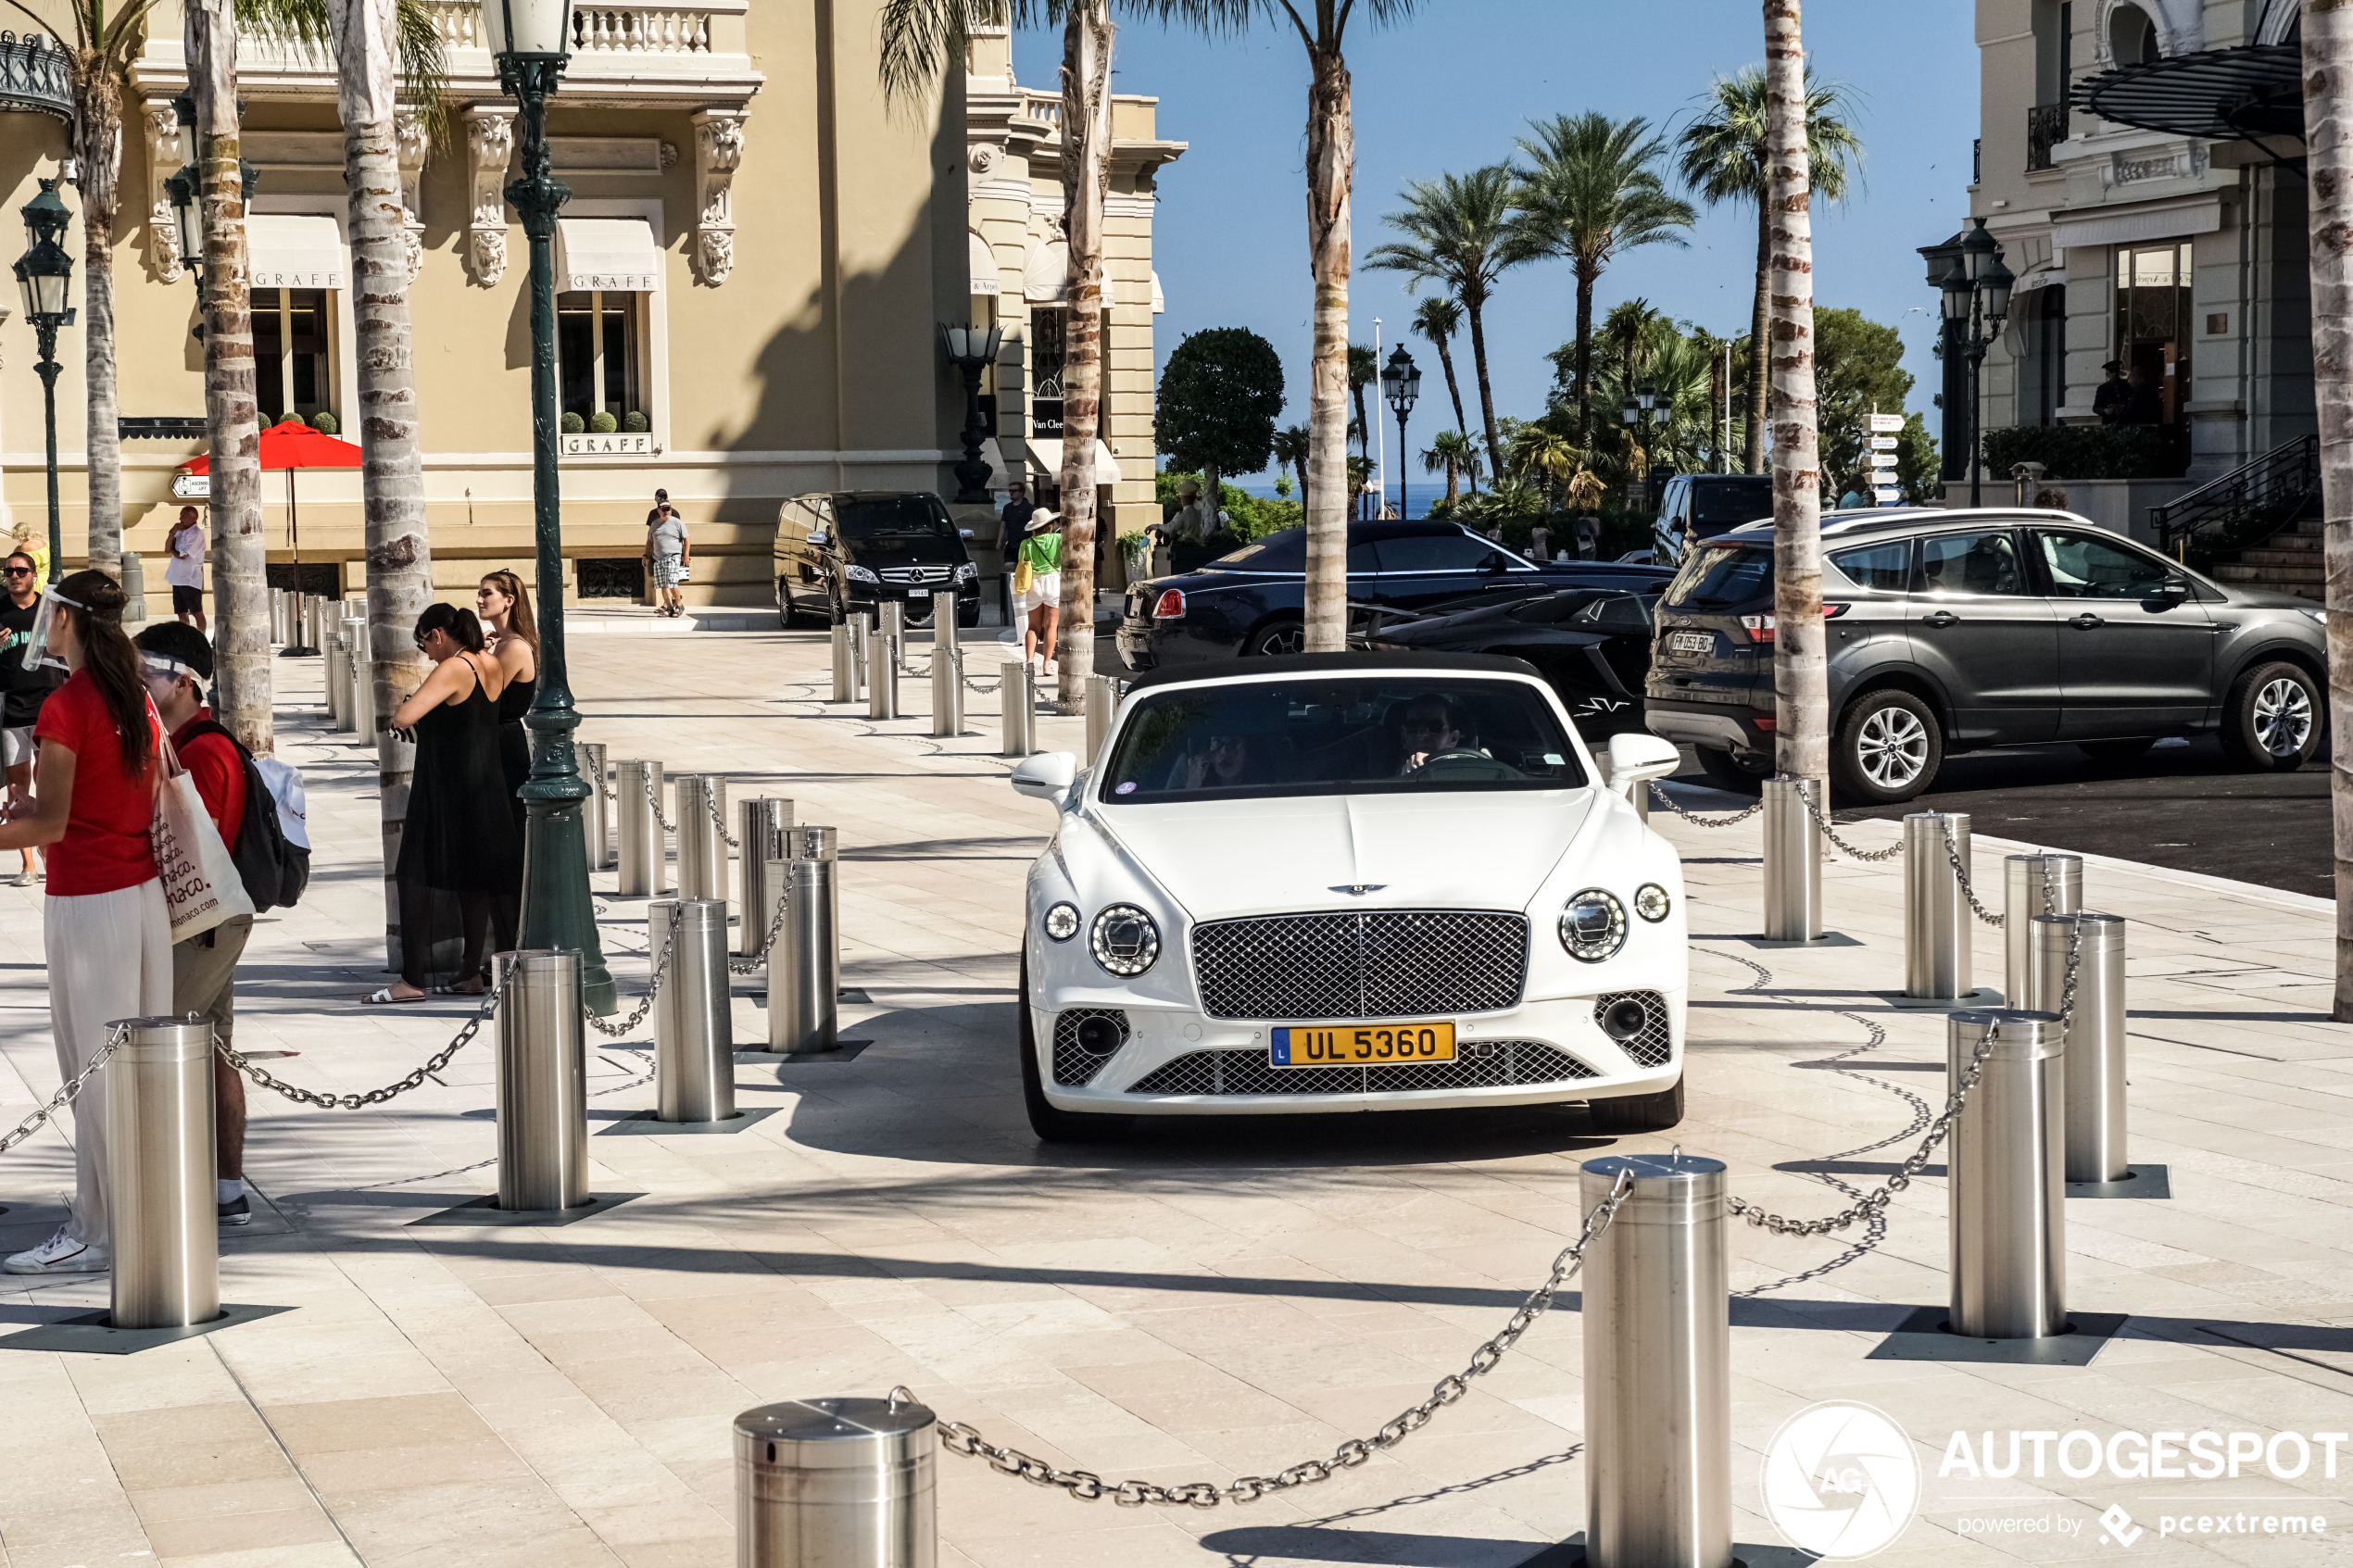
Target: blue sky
(1448, 91)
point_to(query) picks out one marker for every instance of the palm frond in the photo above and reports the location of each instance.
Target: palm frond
(424, 65)
(922, 39)
(299, 27)
(1721, 151)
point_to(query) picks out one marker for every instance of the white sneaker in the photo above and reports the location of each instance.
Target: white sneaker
(59, 1255)
(1049, 667)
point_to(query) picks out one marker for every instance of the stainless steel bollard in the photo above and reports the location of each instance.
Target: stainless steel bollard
(814, 843)
(862, 630)
(804, 972)
(2095, 1037)
(1937, 939)
(636, 787)
(162, 1223)
(596, 814)
(836, 1484)
(1102, 701)
(337, 685)
(890, 619)
(314, 622)
(947, 669)
(542, 1083)
(277, 617)
(1658, 1367)
(2033, 884)
(2009, 1225)
(845, 683)
(363, 686)
(1793, 862)
(882, 677)
(694, 1025)
(763, 828)
(944, 634)
(1017, 701)
(698, 807)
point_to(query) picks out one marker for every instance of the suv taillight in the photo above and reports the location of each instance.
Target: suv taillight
(1171, 606)
(1760, 627)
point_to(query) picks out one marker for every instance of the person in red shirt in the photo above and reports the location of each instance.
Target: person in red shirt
(204, 968)
(105, 933)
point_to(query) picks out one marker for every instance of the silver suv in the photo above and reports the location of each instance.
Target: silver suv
(1951, 631)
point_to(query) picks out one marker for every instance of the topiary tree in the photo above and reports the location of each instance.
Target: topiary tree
(1218, 400)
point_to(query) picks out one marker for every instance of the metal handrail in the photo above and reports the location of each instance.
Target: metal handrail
(2288, 473)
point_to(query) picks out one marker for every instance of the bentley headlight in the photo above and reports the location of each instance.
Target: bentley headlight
(859, 574)
(1652, 903)
(1593, 925)
(1062, 921)
(1125, 940)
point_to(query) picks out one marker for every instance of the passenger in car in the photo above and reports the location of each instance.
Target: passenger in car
(1432, 726)
(1225, 762)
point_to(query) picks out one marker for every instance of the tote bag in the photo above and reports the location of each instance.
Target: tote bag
(201, 884)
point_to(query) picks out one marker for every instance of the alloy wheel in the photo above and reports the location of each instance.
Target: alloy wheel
(1283, 640)
(1892, 748)
(2283, 717)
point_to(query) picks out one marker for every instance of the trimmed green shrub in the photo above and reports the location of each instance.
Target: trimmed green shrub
(634, 423)
(2076, 451)
(324, 423)
(602, 424)
(574, 425)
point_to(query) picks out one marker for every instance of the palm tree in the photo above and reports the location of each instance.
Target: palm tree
(1544, 455)
(1437, 318)
(1451, 450)
(1588, 195)
(1801, 681)
(1363, 370)
(1291, 451)
(1721, 158)
(1460, 236)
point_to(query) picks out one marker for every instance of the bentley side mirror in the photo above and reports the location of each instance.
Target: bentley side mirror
(1046, 776)
(1636, 758)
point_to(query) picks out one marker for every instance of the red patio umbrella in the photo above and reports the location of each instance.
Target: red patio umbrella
(291, 445)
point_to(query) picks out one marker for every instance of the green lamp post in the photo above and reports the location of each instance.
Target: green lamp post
(43, 272)
(531, 43)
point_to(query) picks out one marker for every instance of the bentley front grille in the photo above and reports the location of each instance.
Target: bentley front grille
(1378, 963)
(1484, 1064)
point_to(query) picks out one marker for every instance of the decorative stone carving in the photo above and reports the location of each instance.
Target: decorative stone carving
(490, 146)
(165, 155)
(2179, 25)
(411, 142)
(2183, 160)
(719, 150)
(983, 157)
(669, 155)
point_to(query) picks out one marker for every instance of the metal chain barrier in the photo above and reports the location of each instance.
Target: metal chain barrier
(373, 1096)
(1659, 797)
(655, 802)
(751, 965)
(1960, 874)
(653, 989)
(1085, 1485)
(64, 1095)
(719, 822)
(1829, 833)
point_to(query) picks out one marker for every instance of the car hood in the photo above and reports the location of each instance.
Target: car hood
(904, 550)
(1449, 850)
(2258, 598)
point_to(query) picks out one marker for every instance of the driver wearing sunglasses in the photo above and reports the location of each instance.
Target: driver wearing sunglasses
(22, 691)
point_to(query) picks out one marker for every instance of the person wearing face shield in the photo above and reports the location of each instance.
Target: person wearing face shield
(106, 935)
(22, 689)
(177, 661)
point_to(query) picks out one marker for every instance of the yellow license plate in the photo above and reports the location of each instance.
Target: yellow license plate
(1354, 1045)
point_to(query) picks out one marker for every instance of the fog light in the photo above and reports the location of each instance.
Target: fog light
(1099, 1036)
(1652, 903)
(1062, 921)
(1622, 1021)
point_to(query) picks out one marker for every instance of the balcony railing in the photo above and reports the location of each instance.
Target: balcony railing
(645, 29)
(34, 75)
(2046, 129)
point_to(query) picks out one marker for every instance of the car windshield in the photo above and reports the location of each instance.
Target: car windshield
(871, 516)
(1722, 577)
(1396, 734)
(1718, 504)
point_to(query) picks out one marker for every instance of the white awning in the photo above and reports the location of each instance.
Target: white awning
(2172, 221)
(982, 263)
(2039, 278)
(1159, 300)
(295, 250)
(1105, 467)
(616, 254)
(1045, 278)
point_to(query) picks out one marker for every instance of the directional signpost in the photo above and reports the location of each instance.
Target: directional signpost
(1885, 491)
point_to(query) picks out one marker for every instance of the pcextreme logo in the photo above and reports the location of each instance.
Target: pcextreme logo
(1840, 1480)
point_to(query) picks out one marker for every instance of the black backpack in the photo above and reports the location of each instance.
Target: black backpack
(275, 869)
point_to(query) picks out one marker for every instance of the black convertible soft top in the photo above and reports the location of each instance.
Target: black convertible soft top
(1310, 664)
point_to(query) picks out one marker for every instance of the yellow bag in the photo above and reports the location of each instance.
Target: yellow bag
(1023, 577)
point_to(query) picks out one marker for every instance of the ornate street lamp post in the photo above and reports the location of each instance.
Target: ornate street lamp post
(1977, 297)
(531, 43)
(43, 273)
(1401, 384)
(972, 350)
(1639, 407)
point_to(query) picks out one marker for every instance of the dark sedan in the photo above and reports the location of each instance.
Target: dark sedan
(1252, 602)
(1593, 643)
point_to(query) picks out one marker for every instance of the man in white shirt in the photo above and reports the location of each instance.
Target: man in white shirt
(184, 572)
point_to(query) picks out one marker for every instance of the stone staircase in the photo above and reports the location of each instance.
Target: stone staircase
(2258, 526)
(2288, 562)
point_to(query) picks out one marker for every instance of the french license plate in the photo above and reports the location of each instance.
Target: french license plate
(1360, 1044)
(1691, 641)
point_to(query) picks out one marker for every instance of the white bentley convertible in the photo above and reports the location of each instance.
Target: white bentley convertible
(1350, 882)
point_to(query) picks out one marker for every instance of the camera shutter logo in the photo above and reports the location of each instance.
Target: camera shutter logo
(1840, 1480)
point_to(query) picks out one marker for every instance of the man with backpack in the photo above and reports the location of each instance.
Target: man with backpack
(204, 968)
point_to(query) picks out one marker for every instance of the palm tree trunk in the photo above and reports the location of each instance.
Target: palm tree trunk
(98, 151)
(1801, 685)
(392, 477)
(1454, 390)
(1760, 323)
(240, 584)
(1585, 281)
(1475, 310)
(1086, 39)
(2328, 97)
(1331, 169)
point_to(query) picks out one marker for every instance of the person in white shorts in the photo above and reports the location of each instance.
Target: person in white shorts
(1041, 603)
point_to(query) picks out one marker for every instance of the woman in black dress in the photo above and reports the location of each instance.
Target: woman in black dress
(460, 867)
(504, 606)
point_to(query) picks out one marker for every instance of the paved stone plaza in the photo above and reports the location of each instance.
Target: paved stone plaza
(1204, 1301)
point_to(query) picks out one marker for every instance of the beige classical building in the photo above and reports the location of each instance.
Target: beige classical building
(753, 273)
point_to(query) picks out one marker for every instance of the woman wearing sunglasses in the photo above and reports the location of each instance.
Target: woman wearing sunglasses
(22, 691)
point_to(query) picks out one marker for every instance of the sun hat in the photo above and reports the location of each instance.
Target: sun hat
(1043, 518)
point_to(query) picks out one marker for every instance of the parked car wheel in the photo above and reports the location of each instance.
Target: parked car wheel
(1729, 769)
(1275, 639)
(1051, 1123)
(1639, 1113)
(2115, 750)
(791, 612)
(2272, 720)
(1888, 749)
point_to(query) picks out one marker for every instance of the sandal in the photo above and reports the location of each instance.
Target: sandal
(457, 990)
(384, 998)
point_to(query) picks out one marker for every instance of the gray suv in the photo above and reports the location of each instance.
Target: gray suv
(1949, 630)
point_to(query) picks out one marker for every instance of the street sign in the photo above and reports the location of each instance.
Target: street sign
(1888, 497)
(1882, 444)
(1886, 425)
(192, 486)
(1882, 460)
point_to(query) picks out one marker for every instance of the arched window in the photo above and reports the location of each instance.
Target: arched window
(2132, 37)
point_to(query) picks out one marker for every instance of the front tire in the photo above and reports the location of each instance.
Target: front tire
(1276, 640)
(1050, 1124)
(1639, 1113)
(1888, 749)
(1729, 769)
(2272, 720)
